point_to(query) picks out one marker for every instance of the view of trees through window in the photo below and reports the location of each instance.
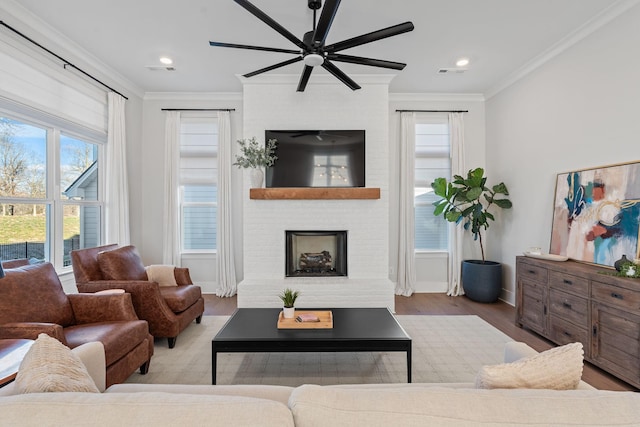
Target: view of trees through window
(30, 197)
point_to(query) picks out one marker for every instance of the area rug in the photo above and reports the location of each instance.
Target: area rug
(444, 349)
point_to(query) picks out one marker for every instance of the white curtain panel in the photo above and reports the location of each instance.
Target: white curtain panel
(171, 243)
(226, 279)
(456, 233)
(406, 233)
(117, 185)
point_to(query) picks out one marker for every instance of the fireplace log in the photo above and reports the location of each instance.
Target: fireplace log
(321, 260)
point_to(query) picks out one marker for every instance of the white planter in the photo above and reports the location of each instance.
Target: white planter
(256, 176)
(289, 312)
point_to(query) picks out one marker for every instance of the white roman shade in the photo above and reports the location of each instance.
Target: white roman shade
(33, 80)
(198, 151)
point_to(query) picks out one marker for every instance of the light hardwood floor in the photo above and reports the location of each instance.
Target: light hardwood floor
(500, 315)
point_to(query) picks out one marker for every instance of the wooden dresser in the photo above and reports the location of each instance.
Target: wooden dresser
(570, 301)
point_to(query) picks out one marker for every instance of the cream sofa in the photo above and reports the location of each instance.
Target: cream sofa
(310, 405)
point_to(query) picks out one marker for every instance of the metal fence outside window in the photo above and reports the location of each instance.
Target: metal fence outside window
(35, 250)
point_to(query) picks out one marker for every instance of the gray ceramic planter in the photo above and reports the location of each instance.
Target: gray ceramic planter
(482, 281)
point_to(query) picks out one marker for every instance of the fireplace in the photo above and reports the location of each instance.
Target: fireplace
(315, 253)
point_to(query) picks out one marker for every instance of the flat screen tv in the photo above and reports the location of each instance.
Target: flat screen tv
(317, 158)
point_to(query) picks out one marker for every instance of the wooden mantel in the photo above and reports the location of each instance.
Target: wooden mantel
(297, 193)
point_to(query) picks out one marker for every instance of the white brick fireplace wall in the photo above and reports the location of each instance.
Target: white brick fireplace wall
(271, 102)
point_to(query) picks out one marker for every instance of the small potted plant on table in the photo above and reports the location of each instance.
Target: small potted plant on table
(288, 297)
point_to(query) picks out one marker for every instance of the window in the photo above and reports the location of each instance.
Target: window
(432, 160)
(50, 200)
(198, 183)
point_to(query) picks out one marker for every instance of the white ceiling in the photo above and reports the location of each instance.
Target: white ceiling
(501, 37)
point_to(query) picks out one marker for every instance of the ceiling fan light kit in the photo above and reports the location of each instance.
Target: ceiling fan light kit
(312, 49)
(313, 60)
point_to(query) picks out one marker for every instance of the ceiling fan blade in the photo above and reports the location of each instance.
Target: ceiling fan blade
(270, 22)
(273, 67)
(245, 46)
(370, 37)
(324, 23)
(340, 75)
(304, 78)
(366, 61)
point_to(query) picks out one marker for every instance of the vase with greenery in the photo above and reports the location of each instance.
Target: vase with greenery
(254, 156)
(468, 201)
(288, 297)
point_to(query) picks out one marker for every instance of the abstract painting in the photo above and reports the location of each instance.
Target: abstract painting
(596, 214)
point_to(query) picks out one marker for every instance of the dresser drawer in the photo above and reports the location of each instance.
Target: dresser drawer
(570, 307)
(533, 272)
(569, 283)
(616, 296)
(563, 332)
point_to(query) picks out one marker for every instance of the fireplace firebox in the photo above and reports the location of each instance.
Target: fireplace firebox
(315, 253)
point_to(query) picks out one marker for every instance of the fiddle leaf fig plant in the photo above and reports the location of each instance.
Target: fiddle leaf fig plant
(468, 200)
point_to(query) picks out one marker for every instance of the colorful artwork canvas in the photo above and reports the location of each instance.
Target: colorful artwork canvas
(596, 214)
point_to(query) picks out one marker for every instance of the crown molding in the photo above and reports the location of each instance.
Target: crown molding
(316, 79)
(603, 18)
(193, 96)
(436, 97)
(36, 28)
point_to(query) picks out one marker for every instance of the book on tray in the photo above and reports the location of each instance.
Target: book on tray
(307, 317)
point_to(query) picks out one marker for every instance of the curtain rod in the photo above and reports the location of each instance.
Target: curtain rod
(198, 109)
(66, 63)
(432, 111)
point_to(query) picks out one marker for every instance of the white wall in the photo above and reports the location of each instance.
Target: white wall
(577, 111)
(431, 268)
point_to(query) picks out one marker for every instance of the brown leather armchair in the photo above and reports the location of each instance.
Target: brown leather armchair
(32, 301)
(168, 309)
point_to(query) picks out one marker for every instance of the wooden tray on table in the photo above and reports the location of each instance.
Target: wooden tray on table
(326, 320)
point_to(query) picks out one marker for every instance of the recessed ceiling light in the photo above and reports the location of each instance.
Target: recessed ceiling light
(462, 62)
(166, 60)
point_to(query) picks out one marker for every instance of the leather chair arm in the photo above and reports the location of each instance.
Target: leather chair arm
(92, 308)
(31, 330)
(142, 287)
(148, 302)
(182, 276)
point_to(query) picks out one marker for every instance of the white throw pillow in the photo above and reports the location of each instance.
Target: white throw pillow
(559, 368)
(164, 275)
(51, 366)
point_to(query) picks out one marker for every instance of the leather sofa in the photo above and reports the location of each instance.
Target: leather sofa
(167, 309)
(368, 405)
(32, 301)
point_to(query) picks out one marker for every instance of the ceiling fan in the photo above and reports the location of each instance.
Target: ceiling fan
(312, 49)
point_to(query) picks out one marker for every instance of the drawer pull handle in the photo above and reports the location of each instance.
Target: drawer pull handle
(532, 271)
(566, 305)
(567, 282)
(566, 333)
(616, 295)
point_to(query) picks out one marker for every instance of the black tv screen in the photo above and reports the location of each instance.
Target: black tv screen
(317, 158)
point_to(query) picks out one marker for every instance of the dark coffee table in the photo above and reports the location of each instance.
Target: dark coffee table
(12, 351)
(254, 330)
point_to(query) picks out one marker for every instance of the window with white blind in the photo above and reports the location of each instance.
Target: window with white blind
(432, 160)
(198, 183)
